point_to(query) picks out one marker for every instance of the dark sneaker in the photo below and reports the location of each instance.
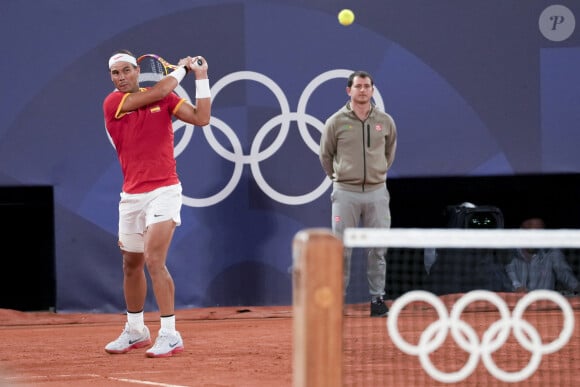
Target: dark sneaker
(379, 308)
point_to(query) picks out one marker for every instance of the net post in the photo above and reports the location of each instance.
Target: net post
(318, 297)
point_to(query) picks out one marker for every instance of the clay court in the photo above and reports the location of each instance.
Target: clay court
(251, 346)
(223, 347)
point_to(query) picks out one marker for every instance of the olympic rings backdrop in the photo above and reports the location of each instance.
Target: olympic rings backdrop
(499, 98)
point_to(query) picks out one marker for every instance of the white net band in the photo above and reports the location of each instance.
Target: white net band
(461, 238)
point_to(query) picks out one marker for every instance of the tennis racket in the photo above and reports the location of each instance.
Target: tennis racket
(153, 63)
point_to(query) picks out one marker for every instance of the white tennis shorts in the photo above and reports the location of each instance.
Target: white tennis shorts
(138, 211)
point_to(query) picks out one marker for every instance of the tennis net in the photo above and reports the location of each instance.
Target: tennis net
(455, 316)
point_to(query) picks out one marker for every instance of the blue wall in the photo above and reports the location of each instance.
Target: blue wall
(476, 88)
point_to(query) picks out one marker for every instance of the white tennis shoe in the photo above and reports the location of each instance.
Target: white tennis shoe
(167, 344)
(128, 340)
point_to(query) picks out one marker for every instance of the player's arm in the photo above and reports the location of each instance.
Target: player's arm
(160, 90)
(144, 97)
(200, 113)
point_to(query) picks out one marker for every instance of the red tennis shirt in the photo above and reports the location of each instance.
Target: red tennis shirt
(143, 140)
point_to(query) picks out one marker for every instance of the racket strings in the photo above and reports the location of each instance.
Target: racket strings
(153, 64)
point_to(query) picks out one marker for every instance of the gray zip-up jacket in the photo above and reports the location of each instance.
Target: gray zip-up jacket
(356, 154)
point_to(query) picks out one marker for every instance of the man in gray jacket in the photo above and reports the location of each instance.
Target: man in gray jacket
(357, 147)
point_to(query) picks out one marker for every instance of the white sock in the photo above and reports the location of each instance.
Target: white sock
(136, 320)
(168, 323)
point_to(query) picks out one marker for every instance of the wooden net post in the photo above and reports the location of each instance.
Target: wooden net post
(318, 297)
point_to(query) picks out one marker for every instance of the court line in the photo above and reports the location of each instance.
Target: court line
(90, 376)
(143, 382)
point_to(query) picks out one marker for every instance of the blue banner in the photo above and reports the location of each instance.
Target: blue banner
(476, 88)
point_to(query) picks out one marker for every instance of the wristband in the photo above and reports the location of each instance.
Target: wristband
(202, 88)
(178, 74)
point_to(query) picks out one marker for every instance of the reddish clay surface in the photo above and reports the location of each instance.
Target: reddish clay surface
(252, 346)
(223, 347)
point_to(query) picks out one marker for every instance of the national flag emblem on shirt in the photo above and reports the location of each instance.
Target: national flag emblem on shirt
(155, 109)
(378, 127)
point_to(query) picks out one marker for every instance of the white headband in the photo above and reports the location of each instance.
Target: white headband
(122, 58)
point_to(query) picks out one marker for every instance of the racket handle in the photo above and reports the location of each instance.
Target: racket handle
(200, 62)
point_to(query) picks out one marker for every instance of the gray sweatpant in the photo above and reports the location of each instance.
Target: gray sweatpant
(366, 209)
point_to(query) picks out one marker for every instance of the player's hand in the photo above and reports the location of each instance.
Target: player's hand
(185, 62)
(199, 69)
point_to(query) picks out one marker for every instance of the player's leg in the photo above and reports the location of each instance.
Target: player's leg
(134, 281)
(157, 241)
(131, 227)
(163, 215)
(135, 334)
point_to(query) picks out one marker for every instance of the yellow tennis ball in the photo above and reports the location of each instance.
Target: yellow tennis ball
(346, 17)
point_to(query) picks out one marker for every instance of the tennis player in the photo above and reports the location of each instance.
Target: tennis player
(139, 121)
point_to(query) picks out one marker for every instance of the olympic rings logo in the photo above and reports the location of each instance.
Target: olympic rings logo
(256, 155)
(493, 338)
